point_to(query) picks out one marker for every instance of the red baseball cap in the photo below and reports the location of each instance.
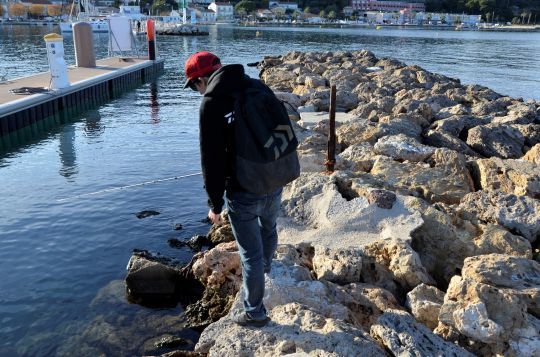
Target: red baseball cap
(200, 64)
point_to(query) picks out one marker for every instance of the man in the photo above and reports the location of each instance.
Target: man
(252, 216)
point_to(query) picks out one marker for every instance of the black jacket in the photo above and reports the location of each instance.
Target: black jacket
(216, 133)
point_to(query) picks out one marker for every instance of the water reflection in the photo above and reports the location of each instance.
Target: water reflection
(92, 124)
(154, 105)
(67, 152)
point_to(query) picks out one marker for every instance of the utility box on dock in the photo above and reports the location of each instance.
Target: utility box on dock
(57, 64)
(83, 40)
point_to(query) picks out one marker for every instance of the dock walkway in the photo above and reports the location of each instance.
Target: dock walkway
(89, 88)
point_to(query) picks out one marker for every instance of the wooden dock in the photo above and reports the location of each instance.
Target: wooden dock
(89, 88)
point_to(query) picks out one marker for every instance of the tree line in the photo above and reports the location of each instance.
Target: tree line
(517, 11)
(35, 11)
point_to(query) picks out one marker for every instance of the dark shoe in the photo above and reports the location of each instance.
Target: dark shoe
(245, 320)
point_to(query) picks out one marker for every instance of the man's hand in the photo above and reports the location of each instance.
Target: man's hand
(214, 217)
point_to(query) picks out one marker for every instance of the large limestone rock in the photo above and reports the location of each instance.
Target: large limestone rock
(503, 271)
(474, 309)
(498, 140)
(473, 305)
(357, 157)
(425, 302)
(312, 152)
(279, 78)
(440, 234)
(337, 265)
(531, 133)
(404, 336)
(458, 125)
(294, 330)
(221, 233)
(441, 139)
(366, 302)
(219, 271)
(307, 317)
(533, 155)
(292, 99)
(447, 180)
(314, 81)
(518, 113)
(390, 260)
(516, 213)
(496, 239)
(395, 125)
(288, 284)
(357, 132)
(517, 177)
(219, 268)
(401, 148)
(526, 340)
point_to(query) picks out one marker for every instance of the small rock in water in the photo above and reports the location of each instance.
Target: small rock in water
(177, 226)
(383, 199)
(176, 243)
(157, 257)
(172, 341)
(197, 242)
(144, 214)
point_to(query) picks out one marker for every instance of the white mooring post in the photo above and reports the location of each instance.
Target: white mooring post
(57, 64)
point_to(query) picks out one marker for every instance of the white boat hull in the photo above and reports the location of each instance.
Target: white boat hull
(97, 26)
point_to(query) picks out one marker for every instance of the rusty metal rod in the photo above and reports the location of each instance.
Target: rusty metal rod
(331, 157)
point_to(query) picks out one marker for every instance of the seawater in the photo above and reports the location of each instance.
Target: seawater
(63, 262)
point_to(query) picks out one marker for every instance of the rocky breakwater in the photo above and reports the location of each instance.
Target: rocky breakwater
(181, 30)
(424, 241)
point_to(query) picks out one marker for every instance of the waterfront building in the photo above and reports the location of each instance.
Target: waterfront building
(348, 11)
(202, 14)
(265, 14)
(315, 20)
(284, 4)
(431, 18)
(387, 6)
(104, 3)
(204, 3)
(133, 12)
(224, 10)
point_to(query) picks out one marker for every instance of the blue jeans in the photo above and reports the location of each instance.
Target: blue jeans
(253, 221)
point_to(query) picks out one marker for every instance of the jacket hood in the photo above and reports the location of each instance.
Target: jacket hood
(227, 79)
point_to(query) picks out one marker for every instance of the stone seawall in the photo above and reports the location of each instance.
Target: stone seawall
(423, 242)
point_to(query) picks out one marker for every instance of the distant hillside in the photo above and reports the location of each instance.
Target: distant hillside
(519, 11)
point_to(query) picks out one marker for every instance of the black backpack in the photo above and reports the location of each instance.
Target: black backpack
(266, 157)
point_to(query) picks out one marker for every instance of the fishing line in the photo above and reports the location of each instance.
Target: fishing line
(128, 186)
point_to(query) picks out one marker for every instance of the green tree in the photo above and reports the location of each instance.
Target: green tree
(487, 6)
(158, 5)
(322, 14)
(279, 12)
(332, 15)
(307, 10)
(245, 5)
